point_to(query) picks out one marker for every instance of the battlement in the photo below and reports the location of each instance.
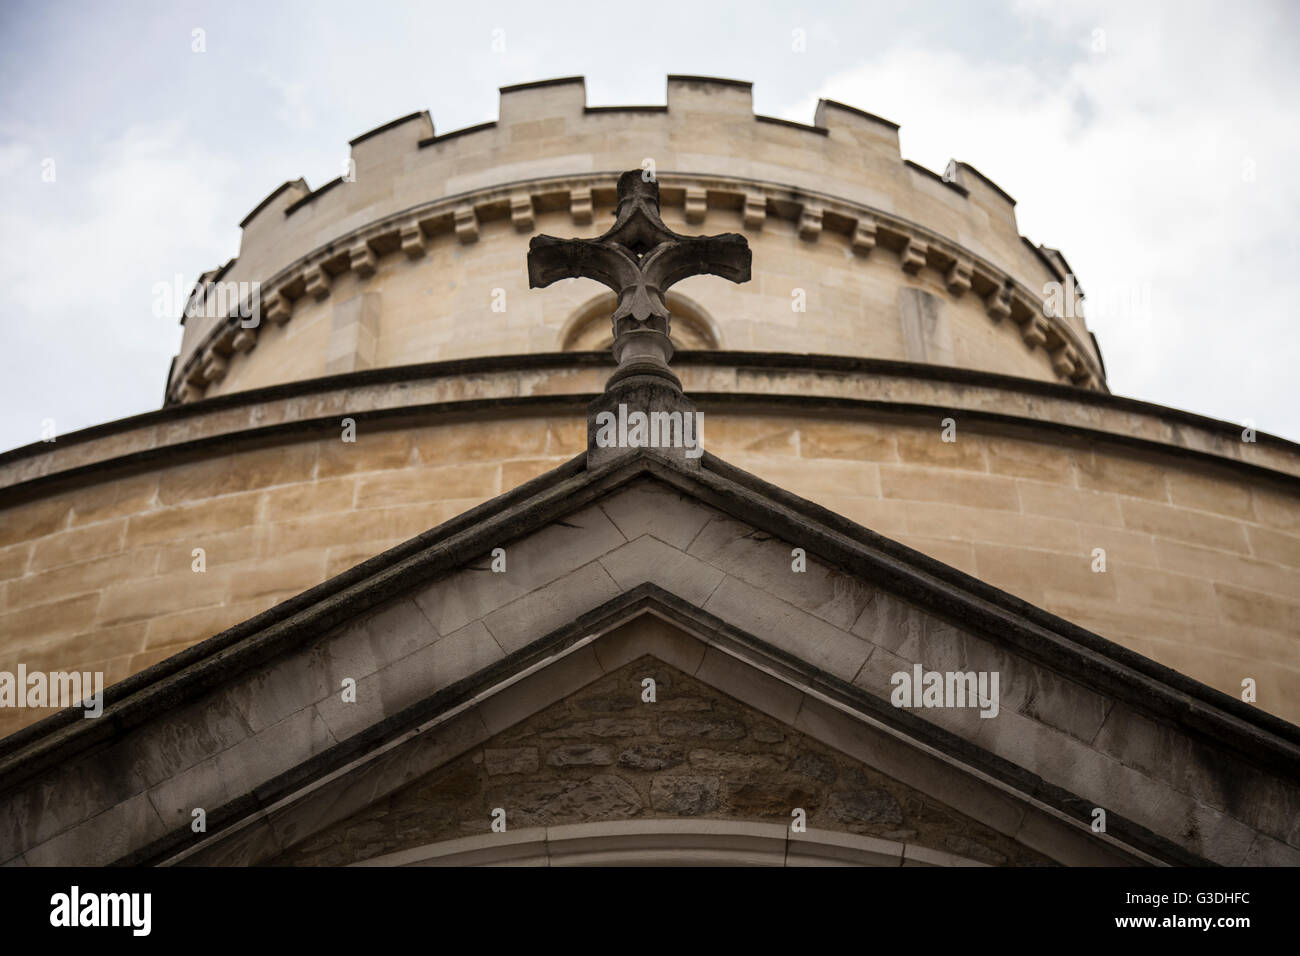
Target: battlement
(547, 128)
(405, 183)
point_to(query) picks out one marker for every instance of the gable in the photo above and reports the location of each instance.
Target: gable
(446, 653)
(604, 753)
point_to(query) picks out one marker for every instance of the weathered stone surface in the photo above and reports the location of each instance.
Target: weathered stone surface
(580, 755)
(865, 806)
(771, 798)
(652, 756)
(635, 770)
(603, 727)
(608, 703)
(510, 760)
(815, 766)
(601, 797)
(709, 728)
(973, 849)
(735, 763)
(684, 795)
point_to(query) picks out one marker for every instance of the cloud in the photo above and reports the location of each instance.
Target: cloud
(1150, 153)
(79, 258)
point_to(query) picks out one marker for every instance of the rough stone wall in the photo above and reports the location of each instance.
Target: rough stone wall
(604, 754)
(1202, 568)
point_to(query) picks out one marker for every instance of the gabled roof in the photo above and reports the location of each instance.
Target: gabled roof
(241, 725)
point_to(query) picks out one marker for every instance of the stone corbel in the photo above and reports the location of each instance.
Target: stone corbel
(214, 368)
(810, 223)
(1064, 361)
(318, 283)
(580, 207)
(958, 278)
(362, 259)
(755, 211)
(697, 204)
(277, 308)
(998, 303)
(412, 241)
(912, 257)
(190, 393)
(1034, 332)
(223, 340)
(466, 224)
(521, 212)
(864, 236)
(244, 341)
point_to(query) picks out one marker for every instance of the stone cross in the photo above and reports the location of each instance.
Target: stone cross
(639, 258)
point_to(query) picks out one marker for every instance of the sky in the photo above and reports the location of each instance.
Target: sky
(1155, 144)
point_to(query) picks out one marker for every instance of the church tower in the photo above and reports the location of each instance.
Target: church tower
(882, 574)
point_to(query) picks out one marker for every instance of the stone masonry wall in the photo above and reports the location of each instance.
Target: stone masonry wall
(460, 301)
(604, 754)
(1202, 567)
(547, 130)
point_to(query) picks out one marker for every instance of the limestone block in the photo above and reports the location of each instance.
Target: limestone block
(649, 507)
(1034, 332)
(1063, 361)
(927, 335)
(104, 838)
(521, 212)
(214, 368)
(558, 603)
(354, 333)
(362, 259)
(318, 283)
(466, 224)
(278, 308)
(958, 278)
(912, 257)
(649, 559)
(998, 304)
(697, 204)
(766, 563)
(791, 628)
(755, 211)
(810, 223)
(580, 206)
(864, 236)
(412, 238)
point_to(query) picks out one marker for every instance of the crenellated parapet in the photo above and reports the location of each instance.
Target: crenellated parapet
(841, 181)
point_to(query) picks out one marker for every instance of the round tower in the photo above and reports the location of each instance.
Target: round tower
(373, 364)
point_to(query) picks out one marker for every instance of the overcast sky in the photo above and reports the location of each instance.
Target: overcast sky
(1155, 144)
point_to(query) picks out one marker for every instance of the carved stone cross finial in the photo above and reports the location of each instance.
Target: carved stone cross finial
(639, 258)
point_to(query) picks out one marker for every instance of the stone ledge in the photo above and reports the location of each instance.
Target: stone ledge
(794, 383)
